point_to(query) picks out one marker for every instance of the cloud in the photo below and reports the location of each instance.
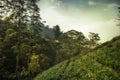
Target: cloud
(112, 5)
(50, 3)
(91, 3)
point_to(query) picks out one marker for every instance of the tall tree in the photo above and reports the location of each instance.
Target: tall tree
(21, 13)
(118, 17)
(57, 31)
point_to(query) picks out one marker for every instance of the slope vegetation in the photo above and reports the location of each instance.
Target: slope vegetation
(103, 63)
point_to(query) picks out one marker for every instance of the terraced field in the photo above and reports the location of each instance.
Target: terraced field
(100, 64)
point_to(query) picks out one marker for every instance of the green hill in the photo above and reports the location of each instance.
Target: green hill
(103, 63)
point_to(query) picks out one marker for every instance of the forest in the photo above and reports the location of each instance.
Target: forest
(29, 48)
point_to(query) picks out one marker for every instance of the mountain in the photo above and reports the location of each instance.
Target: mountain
(47, 32)
(103, 63)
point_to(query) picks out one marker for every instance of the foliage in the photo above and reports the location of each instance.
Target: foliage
(15, 15)
(34, 65)
(10, 47)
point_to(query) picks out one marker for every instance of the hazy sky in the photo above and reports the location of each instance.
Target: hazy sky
(97, 16)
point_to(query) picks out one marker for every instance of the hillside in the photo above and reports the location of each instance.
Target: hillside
(103, 63)
(47, 32)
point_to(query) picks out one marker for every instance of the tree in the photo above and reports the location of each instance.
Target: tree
(93, 39)
(73, 37)
(8, 39)
(20, 13)
(118, 24)
(72, 43)
(9, 49)
(57, 31)
(34, 66)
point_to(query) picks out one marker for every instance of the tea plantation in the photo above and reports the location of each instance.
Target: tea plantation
(102, 63)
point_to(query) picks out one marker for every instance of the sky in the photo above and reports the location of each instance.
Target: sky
(98, 16)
